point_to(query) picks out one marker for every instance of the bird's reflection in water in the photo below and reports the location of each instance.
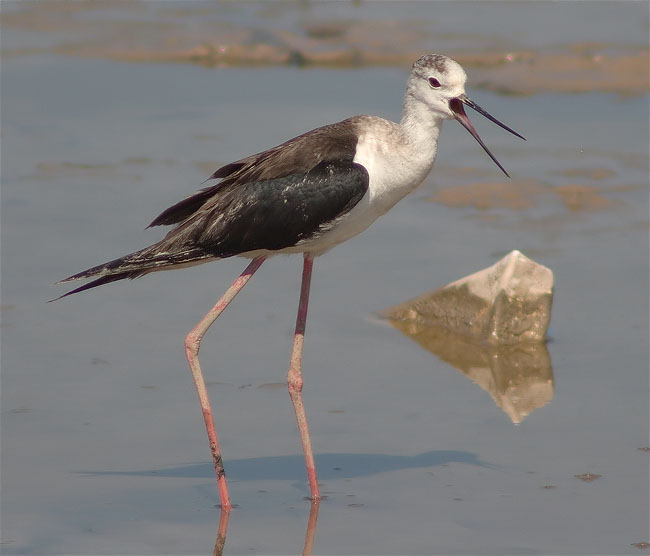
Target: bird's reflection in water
(221, 532)
(220, 543)
(311, 527)
(519, 377)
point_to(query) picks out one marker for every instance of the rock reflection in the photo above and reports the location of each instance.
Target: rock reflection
(519, 377)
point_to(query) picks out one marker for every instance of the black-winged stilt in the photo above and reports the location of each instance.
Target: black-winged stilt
(303, 196)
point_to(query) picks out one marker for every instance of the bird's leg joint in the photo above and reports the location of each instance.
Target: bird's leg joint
(192, 344)
(294, 381)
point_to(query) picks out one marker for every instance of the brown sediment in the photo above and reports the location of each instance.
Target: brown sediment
(179, 36)
(524, 194)
(579, 68)
(594, 173)
(588, 477)
(55, 170)
(579, 197)
(515, 194)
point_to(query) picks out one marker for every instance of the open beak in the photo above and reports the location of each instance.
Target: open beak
(456, 105)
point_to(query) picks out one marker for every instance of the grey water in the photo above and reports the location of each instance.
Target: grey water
(103, 445)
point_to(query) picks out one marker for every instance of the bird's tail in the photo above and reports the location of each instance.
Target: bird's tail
(134, 265)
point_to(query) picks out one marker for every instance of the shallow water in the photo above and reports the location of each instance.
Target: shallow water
(103, 446)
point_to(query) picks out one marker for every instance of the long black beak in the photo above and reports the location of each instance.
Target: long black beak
(456, 105)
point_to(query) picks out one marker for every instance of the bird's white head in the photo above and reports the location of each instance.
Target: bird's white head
(434, 81)
(438, 83)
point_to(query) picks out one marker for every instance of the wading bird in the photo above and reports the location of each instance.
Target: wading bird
(304, 196)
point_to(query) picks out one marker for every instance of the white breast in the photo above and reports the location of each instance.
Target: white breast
(396, 166)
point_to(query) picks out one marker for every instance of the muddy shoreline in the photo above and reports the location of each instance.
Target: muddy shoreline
(187, 35)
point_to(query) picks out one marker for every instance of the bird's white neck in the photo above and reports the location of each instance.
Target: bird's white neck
(398, 156)
(420, 125)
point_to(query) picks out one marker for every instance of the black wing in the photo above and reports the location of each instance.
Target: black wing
(334, 142)
(271, 214)
(271, 200)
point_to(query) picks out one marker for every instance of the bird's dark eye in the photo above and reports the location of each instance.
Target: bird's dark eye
(434, 82)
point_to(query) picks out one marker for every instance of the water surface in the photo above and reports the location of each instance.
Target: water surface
(104, 450)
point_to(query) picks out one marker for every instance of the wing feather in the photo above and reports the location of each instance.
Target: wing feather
(270, 201)
(271, 214)
(334, 142)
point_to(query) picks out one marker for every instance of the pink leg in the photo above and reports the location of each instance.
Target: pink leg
(294, 377)
(192, 345)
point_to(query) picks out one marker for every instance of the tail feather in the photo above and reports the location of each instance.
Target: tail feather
(114, 267)
(99, 282)
(134, 265)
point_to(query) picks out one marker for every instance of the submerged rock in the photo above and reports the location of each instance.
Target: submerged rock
(507, 303)
(491, 326)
